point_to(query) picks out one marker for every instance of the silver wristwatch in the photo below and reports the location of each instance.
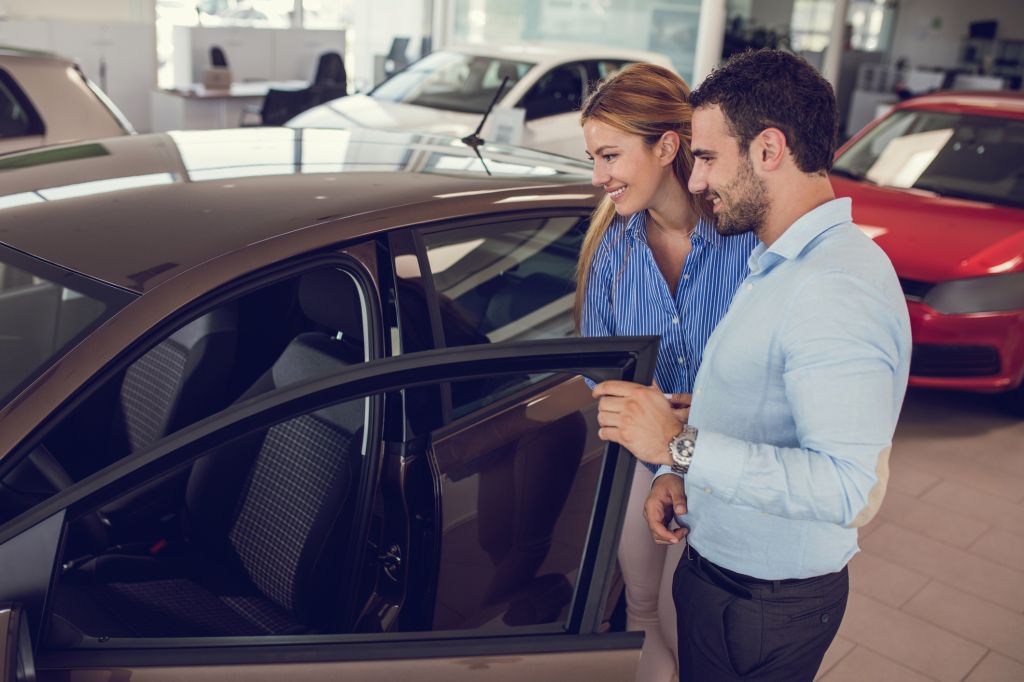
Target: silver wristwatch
(680, 449)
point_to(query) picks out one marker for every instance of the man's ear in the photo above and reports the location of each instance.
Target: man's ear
(769, 149)
(667, 147)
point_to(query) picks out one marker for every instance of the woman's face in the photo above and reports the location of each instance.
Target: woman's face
(632, 173)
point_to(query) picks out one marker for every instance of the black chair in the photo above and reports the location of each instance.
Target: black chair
(217, 57)
(329, 82)
(330, 70)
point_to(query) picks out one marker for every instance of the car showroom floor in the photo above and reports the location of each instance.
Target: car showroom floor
(938, 591)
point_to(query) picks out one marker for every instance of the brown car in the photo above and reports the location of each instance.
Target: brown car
(303, 402)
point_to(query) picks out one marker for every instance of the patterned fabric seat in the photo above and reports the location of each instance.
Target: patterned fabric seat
(264, 521)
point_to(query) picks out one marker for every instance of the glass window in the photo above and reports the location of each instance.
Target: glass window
(252, 541)
(559, 91)
(260, 537)
(811, 24)
(452, 81)
(242, 348)
(41, 312)
(504, 282)
(957, 155)
(518, 490)
(17, 115)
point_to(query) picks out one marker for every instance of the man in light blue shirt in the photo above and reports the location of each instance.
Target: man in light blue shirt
(786, 450)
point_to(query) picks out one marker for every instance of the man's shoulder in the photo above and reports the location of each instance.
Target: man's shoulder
(846, 248)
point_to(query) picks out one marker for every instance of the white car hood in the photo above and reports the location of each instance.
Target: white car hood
(367, 112)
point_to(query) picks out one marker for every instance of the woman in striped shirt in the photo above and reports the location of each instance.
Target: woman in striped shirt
(652, 264)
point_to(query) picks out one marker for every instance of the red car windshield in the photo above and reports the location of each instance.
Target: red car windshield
(957, 155)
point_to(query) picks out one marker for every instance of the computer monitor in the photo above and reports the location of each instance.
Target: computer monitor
(983, 29)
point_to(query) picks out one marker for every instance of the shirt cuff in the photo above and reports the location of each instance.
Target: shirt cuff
(663, 469)
(718, 464)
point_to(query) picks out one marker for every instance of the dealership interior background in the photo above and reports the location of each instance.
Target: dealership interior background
(938, 590)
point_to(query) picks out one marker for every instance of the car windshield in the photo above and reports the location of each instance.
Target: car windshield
(452, 81)
(43, 311)
(957, 155)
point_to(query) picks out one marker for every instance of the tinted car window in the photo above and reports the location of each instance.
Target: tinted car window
(226, 355)
(252, 543)
(504, 282)
(17, 115)
(559, 91)
(41, 311)
(957, 155)
(259, 540)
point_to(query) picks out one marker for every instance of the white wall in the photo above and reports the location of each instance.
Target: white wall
(141, 11)
(374, 25)
(931, 32)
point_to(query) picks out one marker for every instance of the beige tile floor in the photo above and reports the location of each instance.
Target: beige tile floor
(937, 592)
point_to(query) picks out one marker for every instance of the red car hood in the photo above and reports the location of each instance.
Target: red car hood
(933, 239)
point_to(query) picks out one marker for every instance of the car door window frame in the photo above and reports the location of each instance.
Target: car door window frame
(233, 290)
(410, 242)
(630, 359)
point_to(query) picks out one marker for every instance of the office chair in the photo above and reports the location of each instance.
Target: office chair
(280, 106)
(217, 57)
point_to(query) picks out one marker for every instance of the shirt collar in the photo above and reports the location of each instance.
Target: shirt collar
(811, 224)
(704, 229)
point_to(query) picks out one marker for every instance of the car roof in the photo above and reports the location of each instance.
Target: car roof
(22, 53)
(135, 211)
(546, 53)
(998, 102)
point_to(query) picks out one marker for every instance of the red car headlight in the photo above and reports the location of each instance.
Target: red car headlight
(995, 293)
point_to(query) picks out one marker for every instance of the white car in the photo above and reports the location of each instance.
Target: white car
(46, 99)
(448, 91)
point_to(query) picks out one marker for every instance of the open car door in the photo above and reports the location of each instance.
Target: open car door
(517, 498)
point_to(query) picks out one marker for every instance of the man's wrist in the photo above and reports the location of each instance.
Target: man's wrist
(681, 448)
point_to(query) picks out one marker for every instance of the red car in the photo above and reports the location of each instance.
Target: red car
(938, 183)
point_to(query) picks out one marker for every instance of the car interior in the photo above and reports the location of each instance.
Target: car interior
(242, 541)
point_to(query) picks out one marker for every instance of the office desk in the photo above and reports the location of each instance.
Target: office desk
(198, 108)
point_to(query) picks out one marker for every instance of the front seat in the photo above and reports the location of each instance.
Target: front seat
(263, 521)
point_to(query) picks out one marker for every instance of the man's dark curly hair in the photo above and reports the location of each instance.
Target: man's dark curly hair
(760, 89)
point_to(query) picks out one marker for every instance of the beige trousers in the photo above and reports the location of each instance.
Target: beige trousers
(647, 570)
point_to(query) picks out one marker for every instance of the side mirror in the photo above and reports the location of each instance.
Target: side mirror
(16, 661)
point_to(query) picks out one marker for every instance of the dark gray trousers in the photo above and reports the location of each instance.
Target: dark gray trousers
(734, 627)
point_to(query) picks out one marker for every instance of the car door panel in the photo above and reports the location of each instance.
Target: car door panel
(517, 488)
(610, 657)
(630, 359)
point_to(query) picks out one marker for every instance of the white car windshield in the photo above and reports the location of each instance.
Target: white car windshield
(452, 81)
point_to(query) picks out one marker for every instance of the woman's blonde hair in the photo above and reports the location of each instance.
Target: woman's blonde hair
(645, 100)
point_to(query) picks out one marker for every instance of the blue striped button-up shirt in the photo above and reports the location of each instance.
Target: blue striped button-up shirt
(797, 401)
(628, 296)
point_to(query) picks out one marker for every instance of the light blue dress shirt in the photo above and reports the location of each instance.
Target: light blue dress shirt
(796, 403)
(627, 295)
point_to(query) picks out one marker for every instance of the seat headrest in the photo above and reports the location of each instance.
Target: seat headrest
(330, 298)
(508, 69)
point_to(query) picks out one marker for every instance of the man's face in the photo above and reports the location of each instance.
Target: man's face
(723, 173)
